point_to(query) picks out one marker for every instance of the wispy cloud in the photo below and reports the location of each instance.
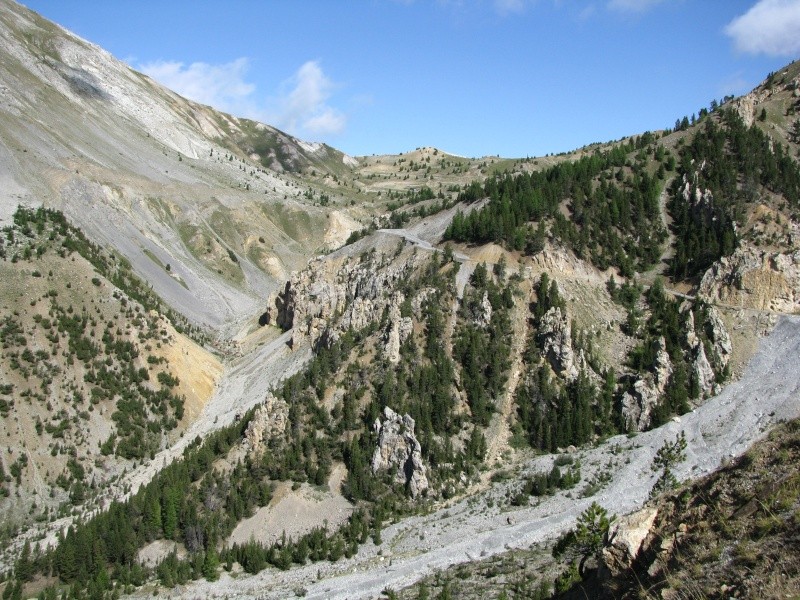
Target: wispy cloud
(507, 7)
(300, 106)
(222, 86)
(303, 105)
(770, 27)
(587, 12)
(634, 6)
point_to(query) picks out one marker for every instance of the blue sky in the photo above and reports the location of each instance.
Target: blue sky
(472, 77)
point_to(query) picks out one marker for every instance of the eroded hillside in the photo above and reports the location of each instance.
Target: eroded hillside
(95, 378)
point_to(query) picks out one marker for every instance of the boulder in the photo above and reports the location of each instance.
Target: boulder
(626, 539)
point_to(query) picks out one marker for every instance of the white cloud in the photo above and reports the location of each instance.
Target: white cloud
(632, 5)
(587, 12)
(770, 27)
(328, 121)
(300, 107)
(221, 86)
(507, 7)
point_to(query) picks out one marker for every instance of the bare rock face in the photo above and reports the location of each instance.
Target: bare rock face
(720, 338)
(754, 278)
(747, 105)
(637, 406)
(330, 296)
(482, 315)
(419, 300)
(701, 367)
(397, 330)
(555, 333)
(627, 537)
(703, 371)
(269, 420)
(399, 450)
(278, 313)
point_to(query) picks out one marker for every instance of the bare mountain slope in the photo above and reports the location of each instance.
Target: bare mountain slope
(163, 180)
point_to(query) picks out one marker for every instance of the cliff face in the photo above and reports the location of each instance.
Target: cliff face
(337, 293)
(755, 278)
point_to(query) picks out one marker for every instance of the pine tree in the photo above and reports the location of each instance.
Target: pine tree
(588, 538)
(794, 134)
(211, 564)
(170, 512)
(23, 569)
(667, 457)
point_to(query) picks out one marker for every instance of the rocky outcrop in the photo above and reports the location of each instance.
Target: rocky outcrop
(718, 345)
(482, 315)
(720, 339)
(331, 296)
(278, 313)
(626, 539)
(555, 339)
(269, 421)
(419, 300)
(701, 367)
(703, 371)
(397, 330)
(555, 335)
(749, 105)
(754, 278)
(477, 308)
(694, 194)
(638, 404)
(399, 451)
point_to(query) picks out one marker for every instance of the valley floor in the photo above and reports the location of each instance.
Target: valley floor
(486, 524)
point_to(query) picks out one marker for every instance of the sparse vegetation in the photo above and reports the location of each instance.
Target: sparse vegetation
(666, 459)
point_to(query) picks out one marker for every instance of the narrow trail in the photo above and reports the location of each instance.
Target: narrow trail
(725, 305)
(669, 245)
(498, 433)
